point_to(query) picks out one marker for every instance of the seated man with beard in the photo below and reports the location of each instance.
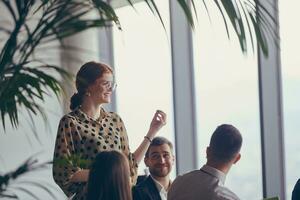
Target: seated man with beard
(159, 159)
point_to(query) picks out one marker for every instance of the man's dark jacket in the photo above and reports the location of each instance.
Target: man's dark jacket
(296, 191)
(146, 190)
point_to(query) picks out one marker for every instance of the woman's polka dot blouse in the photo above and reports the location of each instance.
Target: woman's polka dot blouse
(82, 136)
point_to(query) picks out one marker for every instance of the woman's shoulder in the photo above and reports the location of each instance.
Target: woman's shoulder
(69, 117)
(113, 115)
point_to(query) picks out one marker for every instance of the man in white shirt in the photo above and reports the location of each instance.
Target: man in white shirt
(208, 182)
(159, 159)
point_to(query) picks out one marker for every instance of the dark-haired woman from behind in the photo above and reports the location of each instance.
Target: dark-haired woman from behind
(109, 177)
(89, 129)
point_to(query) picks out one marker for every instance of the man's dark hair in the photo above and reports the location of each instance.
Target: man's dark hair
(157, 141)
(225, 143)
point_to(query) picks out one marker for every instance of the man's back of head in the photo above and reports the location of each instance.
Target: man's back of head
(208, 182)
(225, 145)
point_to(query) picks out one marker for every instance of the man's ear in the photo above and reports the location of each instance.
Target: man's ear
(146, 161)
(173, 159)
(207, 152)
(237, 158)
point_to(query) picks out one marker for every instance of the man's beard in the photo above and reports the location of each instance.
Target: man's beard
(160, 172)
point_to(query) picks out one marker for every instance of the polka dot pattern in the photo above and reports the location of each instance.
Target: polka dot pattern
(80, 135)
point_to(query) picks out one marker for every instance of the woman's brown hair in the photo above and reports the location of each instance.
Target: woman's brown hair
(109, 177)
(86, 76)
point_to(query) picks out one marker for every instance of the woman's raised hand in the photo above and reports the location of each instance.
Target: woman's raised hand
(158, 121)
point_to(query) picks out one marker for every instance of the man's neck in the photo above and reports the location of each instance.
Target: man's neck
(222, 167)
(164, 181)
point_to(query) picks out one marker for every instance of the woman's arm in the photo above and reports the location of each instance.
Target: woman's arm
(80, 176)
(64, 151)
(158, 121)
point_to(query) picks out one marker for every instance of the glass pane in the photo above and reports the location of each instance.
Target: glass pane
(143, 71)
(288, 12)
(227, 92)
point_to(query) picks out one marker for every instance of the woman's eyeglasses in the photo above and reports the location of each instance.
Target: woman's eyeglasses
(109, 85)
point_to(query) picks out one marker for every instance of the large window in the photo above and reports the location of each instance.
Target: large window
(288, 12)
(227, 92)
(143, 71)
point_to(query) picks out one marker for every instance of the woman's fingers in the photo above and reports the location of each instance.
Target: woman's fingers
(158, 121)
(160, 116)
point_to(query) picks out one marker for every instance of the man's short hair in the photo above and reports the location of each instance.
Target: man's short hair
(157, 141)
(225, 143)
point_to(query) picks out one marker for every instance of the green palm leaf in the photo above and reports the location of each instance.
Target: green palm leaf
(43, 185)
(25, 190)
(30, 165)
(8, 196)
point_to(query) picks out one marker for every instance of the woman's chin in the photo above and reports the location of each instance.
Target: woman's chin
(106, 100)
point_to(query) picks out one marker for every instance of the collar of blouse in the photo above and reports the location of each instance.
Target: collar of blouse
(83, 116)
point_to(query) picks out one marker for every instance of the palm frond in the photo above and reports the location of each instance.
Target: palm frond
(248, 25)
(42, 185)
(23, 83)
(188, 13)
(224, 18)
(24, 87)
(8, 196)
(206, 9)
(246, 16)
(30, 165)
(25, 190)
(153, 7)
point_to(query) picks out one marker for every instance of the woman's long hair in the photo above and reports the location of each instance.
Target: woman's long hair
(109, 177)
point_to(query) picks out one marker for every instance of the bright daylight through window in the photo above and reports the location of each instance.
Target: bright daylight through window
(143, 71)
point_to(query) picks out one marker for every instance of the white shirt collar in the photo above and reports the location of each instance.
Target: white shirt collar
(162, 192)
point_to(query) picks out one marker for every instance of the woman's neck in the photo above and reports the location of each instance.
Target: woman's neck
(92, 110)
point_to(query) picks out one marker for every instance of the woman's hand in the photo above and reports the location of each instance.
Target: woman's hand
(158, 121)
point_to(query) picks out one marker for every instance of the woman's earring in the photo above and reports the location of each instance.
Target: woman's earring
(88, 94)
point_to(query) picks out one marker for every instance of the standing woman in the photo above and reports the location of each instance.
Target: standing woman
(88, 129)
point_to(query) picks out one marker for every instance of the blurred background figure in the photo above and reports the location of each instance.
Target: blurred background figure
(109, 177)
